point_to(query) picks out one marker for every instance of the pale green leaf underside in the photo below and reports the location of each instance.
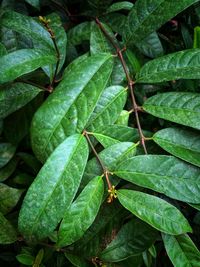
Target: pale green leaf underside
(179, 107)
(54, 188)
(181, 143)
(155, 211)
(163, 174)
(180, 65)
(68, 109)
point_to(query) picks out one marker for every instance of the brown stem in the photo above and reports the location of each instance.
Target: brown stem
(129, 80)
(33, 84)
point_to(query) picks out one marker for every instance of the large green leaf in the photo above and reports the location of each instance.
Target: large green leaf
(181, 251)
(108, 107)
(164, 174)
(179, 65)
(54, 188)
(181, 107)
(181, 143)
(81, 213)
(17, 63)
(15, 96)
(8, 234)
(155, 211)
(7, 151)
(68, 109)
(132, 239)
(147, 16)
(9, 197)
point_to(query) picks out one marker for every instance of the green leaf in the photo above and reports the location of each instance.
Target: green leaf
(3, 50)
(30, 161)
(132, 239)
(79, 33)
(179, 65)
(15, 96)
(123, 118)
(147, 16)
(119, 6)
(25, 259)
(196, 43)
(8, 169)
(181, 143)
(68, 109)
(133, 60)
(75, 260)
(7, 151)
(181, 107)
(155, 211)
(17, 63)
(164, 174)
(54, 188)
(9, 198)
(7, 232)
(34, 3)
(81, 214)
(108, 107)
(135, 261)
(105, 140)
(181, 250)
(39, 258)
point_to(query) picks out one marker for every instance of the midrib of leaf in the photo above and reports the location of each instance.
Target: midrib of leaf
(173, 108)
(59, 180)
(59, 122)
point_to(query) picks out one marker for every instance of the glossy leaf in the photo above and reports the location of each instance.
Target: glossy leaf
(68, 109)
(7, 151)
(181, 250)
(15, 96)
(179, 65)
(163, 174)
(8, 234)
(119, 6)
(20, 62)
(54, 188)
(155, 211)
(108, 107)
(181, 143)
(81, 213)
(9, 198)
(79, 33)
(105, 140)
(182, 108)
(123, 118)
(132, 239)
(147, 16)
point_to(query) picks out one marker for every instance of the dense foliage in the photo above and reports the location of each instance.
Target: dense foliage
(99, 133)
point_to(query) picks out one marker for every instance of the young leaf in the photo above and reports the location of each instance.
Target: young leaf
(8, 234)
(181, 250)
(147, 16)
(182, 108)
(7, 151)
(155, 211)
(181, 143)
(81, 213)
(15, 96)
(17, 63)
(54, 188)
(179, 65)
(68, 109)
(132, 239)
(164, 174)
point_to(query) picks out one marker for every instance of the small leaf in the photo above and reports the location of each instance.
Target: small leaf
(34, 3)
(39, 258)
(181, 143)
(179, 65)
(17, 63)
(8, 234)
(54, 188)
(25, 259)
(155, 211)
(196, 43)
(181, 250)
(7, 151)
(81, 213)
(8, 169)
(105, 140)
(15, 96)
(119, 6)
(181, 107)
(133, 238)
(164, 174)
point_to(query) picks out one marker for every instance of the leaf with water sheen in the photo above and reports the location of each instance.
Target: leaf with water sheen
(155, 211)
(68, 109)
(179, 107)
(20, 62)
(81, 213)
(181, 143)
(164, 174)
(54, 188)
(147, 16)
(181, 250)
(133, 238)
(8, 234)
